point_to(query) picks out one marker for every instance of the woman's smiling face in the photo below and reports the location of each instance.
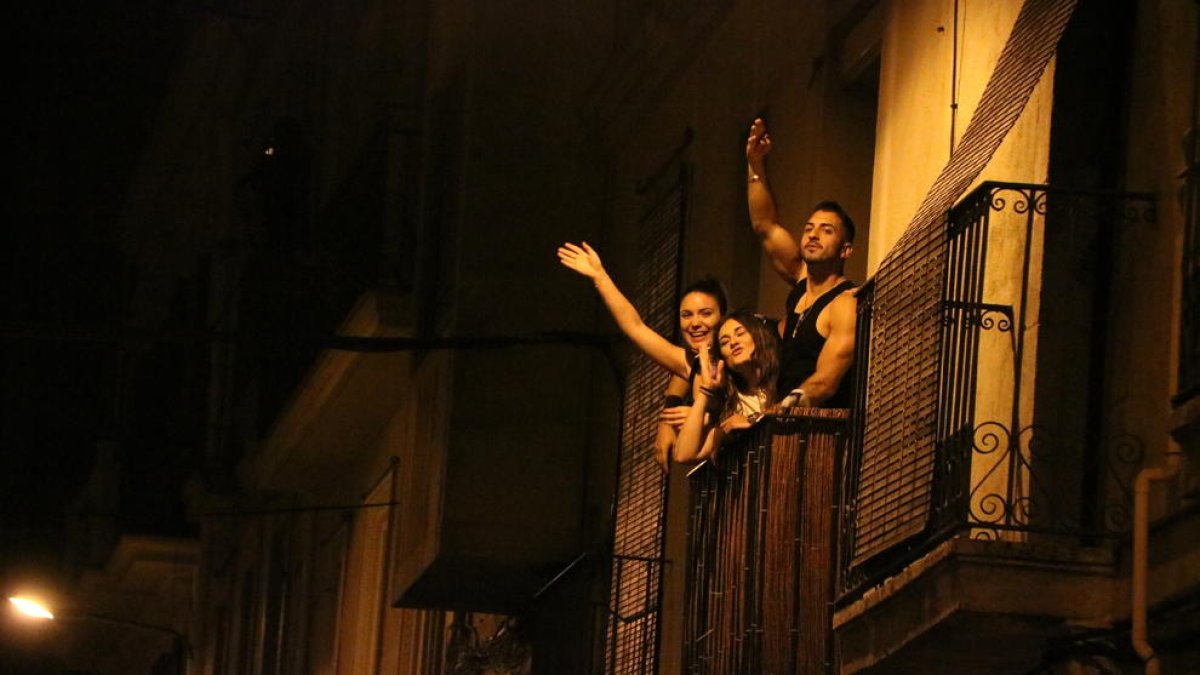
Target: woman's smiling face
(698, 314)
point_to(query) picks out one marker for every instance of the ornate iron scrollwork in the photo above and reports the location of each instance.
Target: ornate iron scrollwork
(1018, 483)
(979, 315)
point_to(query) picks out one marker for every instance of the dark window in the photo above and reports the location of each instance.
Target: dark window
(636, 591)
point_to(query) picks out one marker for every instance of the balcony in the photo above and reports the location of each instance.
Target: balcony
(984, 458)
(990, 457)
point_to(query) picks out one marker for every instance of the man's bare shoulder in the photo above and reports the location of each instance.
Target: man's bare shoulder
(844, 308)
(840, 314)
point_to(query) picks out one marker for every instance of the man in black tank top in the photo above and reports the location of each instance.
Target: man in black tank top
(818, 334)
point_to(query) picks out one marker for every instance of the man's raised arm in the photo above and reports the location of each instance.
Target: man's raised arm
(764, 217)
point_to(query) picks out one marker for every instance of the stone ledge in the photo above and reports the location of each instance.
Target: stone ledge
(938, 612)
(332, 423)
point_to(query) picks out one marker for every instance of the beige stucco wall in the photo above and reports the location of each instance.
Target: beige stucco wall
(915, 96)
(912, 136)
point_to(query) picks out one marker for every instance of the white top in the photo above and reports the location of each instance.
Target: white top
(750, 404)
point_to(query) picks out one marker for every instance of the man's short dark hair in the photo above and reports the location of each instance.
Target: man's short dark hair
(834, 207)
(711, 287)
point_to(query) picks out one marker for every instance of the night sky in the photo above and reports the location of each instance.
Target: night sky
(87, 82)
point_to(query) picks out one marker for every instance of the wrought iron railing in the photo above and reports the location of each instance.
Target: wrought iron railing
(981, 408)
(761, 549)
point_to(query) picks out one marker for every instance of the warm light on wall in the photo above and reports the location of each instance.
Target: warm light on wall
(30, 607)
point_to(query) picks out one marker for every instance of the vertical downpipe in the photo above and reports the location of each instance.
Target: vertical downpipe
(1141, 531)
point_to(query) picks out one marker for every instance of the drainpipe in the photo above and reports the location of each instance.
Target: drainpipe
(1141, 532)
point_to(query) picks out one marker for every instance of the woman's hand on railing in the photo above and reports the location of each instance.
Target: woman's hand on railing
(735, 422)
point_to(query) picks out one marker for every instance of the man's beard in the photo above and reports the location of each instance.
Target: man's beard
(818, 257)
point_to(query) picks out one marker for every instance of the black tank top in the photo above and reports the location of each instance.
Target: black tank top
(802, 344)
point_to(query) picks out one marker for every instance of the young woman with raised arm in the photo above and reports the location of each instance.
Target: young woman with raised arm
(700, 308)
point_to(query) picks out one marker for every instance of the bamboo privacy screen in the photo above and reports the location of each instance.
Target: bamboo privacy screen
(761, 549)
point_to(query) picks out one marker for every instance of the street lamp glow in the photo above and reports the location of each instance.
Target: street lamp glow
(31, 607)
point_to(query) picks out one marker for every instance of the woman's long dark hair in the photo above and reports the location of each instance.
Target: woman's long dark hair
(710, 286)
(765, 358)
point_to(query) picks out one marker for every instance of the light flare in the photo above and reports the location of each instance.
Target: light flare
(30, 607)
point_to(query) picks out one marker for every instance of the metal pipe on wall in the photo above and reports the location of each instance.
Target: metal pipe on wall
(1141, 531)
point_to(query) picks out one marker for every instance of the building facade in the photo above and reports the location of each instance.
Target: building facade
(413, 413)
